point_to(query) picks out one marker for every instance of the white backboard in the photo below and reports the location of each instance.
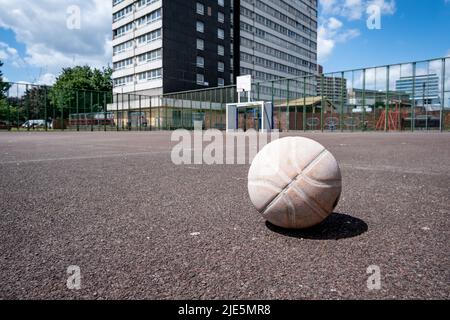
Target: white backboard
(244, 83)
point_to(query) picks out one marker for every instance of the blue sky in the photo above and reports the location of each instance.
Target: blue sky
(410, 30)
(35, 42)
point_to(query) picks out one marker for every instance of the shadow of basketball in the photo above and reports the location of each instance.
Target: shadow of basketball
(336, 227)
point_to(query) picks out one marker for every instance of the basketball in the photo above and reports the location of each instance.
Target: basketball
(295, 183)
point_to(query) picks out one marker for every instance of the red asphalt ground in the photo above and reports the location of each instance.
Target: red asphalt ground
(140, 227)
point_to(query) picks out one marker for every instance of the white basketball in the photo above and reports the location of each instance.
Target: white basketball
(295, 183)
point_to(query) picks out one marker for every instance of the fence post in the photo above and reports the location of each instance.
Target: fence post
(84, 110)
(8, 106)
(304, 104)
(140, 113)
(387, 100)
(150, 113)
(192, 110)
(129, 123)
(62, 116)
(341, 121)
(105, 108)
(117, 112)
(27, 106)
(92, 113)
(159, 113)
(322, 85)
(441, 116)
(19, 104)
(288, 120)
(364, 99)
(413, 104)
(210, 109)
(78, 112)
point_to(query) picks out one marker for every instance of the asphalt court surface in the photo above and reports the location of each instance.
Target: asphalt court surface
(140, 227)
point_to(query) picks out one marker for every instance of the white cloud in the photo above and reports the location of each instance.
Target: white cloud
(329, 34)
(10, 55)
(334, 24)
(47, 79)
(335, 14)
(50, 45)
(354, 9)
(448, 52)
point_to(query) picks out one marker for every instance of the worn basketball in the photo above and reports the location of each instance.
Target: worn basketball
(295, 183)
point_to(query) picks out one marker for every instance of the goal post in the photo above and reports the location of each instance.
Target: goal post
(265, 115)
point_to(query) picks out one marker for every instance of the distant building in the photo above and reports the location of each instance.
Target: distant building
(425, 89)
(334, 88)
(319, 69)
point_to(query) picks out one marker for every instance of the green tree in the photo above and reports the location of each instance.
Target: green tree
(36, 104)
(82, 80)
(4, 86)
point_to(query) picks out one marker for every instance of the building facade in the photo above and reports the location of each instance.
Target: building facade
(275, 39)
(332, 88)
(424, 89)
(163, 46)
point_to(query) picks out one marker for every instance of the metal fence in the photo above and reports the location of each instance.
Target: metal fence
(402, 97)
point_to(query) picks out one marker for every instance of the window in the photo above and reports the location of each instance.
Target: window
(149, 56)
(200, 26)
(144, 3)
(220, 50)
(221, 17)
(123, 81)
(220, 34)
(123, 30)
(149, 18)
(220, 82)
(123, 64)
(200, 44)
(221, 3)
(200, 8)
(123, 47)
(122, 13)
(221, 66)
(200, 79)
(200, 62)
(149, 37)
(149, 75)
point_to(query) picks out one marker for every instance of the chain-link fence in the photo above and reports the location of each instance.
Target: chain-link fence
(402, 97)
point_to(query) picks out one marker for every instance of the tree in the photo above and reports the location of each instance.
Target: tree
(35, 103)
(74, 83)
(4, 86)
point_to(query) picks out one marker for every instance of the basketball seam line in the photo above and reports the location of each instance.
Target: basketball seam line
(283, 190)
(309, 201)
(327, 184)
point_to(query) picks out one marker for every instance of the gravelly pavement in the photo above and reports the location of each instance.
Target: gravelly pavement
(140, 227)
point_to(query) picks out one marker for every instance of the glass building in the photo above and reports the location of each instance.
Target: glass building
(423, 88)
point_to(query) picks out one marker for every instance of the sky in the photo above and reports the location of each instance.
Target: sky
(40, 37)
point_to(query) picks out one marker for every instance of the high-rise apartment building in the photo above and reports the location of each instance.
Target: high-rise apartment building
(162, 46)
(275, 39)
